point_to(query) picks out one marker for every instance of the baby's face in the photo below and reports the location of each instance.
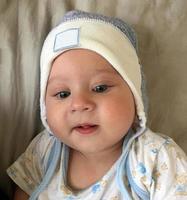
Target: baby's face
(89, 106)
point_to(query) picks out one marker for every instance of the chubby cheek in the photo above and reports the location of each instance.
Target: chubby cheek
(55, 118)
(57, 127)
(119, 115)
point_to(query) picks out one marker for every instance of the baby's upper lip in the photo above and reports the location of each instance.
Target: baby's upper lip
(84, 125)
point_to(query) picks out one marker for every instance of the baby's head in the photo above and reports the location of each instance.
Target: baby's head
(91, 78)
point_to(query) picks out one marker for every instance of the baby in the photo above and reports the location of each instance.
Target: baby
(96, 145)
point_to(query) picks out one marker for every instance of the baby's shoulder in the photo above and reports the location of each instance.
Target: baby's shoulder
(42, 142)
(150, 142)
(153, 149)
(158, 166)
(41, 146)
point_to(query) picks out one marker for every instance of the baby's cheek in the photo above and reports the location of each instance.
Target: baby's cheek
(119, 114)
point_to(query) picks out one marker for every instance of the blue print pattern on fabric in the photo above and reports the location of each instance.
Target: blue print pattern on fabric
(69, 198)
(154, 151)
(181, 186)
(96, 188)
(141, 168)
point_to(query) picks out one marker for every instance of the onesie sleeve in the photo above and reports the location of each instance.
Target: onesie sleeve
(159, 167)
(27, 171)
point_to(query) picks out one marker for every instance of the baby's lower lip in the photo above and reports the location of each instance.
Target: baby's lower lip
(86, 130)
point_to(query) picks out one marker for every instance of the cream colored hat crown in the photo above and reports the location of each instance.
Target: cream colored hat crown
(110, 37)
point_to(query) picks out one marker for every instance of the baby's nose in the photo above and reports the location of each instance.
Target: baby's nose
(82, 103)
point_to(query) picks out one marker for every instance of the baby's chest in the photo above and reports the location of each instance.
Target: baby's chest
(105, 189)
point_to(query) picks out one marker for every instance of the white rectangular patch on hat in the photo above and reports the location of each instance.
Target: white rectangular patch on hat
(66, 39)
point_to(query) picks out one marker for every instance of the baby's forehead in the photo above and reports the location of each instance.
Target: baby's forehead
(82, 58)
(81, 64)
(83, 53)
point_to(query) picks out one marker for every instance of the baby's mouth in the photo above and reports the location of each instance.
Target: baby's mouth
(86, 128)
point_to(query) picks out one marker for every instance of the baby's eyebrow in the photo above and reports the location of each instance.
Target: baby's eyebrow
(57, 79)
(105, 71)
(108, 73)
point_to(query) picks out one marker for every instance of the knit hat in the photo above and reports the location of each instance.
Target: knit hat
(110, 37)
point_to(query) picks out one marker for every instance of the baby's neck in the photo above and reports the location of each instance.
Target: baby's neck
(86, 169)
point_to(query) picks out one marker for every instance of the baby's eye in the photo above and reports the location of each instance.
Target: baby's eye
(63, 94)
(100, 88)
